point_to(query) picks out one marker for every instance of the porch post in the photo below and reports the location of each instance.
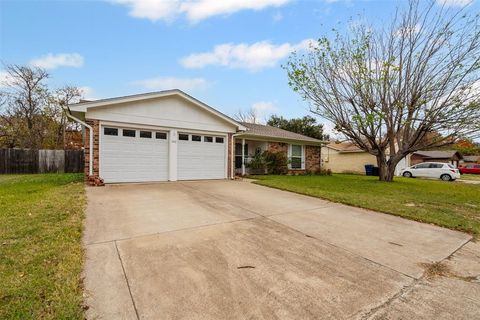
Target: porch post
(243, 157)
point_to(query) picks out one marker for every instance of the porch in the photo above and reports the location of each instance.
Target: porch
(245, 150)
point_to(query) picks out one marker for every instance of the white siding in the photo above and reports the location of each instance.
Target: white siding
(170, 112)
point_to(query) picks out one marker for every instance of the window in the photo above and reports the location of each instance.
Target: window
(208, 139)
(436, 165)
(145, 134)
(110, 131)
(128, 133)
(422, 166)
(218, 139)
(161, 135)
(183, 137)
(196, 138)
(296, 156)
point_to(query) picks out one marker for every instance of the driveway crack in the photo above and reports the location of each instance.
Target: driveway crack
(126, 280)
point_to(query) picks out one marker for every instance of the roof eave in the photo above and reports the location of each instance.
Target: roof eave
(277, 139)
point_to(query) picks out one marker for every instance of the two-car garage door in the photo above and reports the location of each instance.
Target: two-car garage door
(142, 155)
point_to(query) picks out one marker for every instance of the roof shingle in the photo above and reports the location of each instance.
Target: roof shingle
(261, 130)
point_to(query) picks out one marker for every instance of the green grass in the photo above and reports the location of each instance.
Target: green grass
(454, 205)
(40, 246)
(471, 177)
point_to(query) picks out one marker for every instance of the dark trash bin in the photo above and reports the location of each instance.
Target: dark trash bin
(369, 169)
(375, 171)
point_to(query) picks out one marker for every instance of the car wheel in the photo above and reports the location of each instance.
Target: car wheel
(407, 174)
(445, 177)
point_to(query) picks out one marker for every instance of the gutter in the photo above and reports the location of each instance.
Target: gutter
(90, 160)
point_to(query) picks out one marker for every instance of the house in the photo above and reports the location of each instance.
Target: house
(169, 136)
(471, 159)
(447, 156)
(346, 157)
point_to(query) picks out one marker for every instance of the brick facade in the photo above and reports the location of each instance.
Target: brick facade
(278, 147)
(96, 130)
(313, 158)
(312, 155)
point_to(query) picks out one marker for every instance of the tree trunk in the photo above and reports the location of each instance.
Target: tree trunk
(386, 168)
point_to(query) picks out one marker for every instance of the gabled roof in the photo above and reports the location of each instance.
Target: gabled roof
(261, 130)
(84, 104)
(344, 147)
(438, 154)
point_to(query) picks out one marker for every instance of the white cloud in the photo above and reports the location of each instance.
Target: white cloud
(454, 3)
(52, 61)
(165, 83)
(194, 10)
(253, 57)
(277, 17)
(263, 109)
(88, 93)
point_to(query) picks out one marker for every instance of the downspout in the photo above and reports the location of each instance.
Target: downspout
(90, 147)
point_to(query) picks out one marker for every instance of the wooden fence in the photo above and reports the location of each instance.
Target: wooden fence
(40, 161)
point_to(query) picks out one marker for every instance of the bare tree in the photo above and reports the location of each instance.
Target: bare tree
(249, 115)
(24, 93)
(411, 85)
(31, 116)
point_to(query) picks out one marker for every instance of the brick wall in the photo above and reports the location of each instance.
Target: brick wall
(95, 125)
(312, 155)
(278, 147)
(312, 158)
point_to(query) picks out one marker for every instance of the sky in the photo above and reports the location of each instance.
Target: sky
(228, 54)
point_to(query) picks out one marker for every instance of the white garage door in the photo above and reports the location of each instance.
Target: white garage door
(133, 155)
(201, 157)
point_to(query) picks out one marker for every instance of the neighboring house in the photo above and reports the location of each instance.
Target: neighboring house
(471, 159)
(446, 156)
(169, 136)
(346, 157)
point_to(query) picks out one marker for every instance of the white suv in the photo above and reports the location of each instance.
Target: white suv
(438, 170)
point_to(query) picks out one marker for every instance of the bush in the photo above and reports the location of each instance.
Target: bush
(258, 164)
(276, 162)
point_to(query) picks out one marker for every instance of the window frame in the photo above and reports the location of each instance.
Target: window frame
(196, 138)
(127, 136)
(302, 156)
(183, 134)
(218, 138)
(206, 138)
(145, 131)
(165, 136)
(110, 128)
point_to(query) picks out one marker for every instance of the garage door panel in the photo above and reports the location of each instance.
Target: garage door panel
(201, 160)
(133, 159)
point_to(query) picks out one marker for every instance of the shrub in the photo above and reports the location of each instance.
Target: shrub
(277, 162)
(258, 164)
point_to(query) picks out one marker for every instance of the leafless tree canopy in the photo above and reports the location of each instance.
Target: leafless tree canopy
(249, 115)
(410, 85)
(31, 115)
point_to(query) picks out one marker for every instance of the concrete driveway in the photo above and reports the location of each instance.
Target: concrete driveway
(235, 250)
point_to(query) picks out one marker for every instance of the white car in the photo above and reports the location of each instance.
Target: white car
(438, 170)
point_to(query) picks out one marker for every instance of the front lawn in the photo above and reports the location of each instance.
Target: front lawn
(40, 246)
(454, 205)
(470, 177)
